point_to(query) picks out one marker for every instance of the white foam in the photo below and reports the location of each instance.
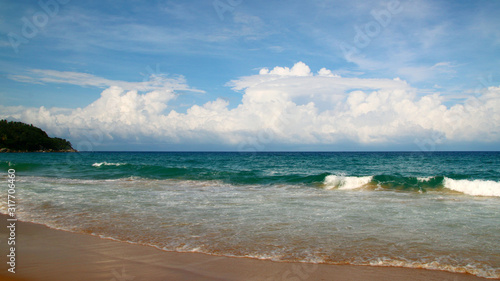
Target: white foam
(475, 187)
(474, 269)
(107, 164)
(343, 182)
(424, 178)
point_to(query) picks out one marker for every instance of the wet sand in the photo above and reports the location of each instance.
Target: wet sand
(48, 254)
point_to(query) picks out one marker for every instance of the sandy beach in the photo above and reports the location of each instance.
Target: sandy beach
(48, 254)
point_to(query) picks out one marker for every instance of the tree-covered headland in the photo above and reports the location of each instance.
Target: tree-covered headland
(21, 137)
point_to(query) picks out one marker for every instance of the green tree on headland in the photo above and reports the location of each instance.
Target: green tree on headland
(21, 137)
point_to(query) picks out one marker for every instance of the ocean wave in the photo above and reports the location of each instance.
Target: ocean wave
(343, 182)
(474, 187)
(421, 184)
(473, 269)
(107, 164)
(193, 177)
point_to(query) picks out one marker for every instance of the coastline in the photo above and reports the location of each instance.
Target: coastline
(6, 150)
(43, 253)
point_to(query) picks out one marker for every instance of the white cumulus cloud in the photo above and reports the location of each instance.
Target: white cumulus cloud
(279, 106)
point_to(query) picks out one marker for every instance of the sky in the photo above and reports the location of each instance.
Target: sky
(239, 75)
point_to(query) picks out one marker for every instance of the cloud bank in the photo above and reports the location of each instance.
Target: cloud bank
(279, 106)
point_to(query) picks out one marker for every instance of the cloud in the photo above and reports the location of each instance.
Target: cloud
(299, 69)
(425, 73)
(154, 82)
(175, 26)
(282, 106)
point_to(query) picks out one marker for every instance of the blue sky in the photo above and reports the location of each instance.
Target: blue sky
(254, 75)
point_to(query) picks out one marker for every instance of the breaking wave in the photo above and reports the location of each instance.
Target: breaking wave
(421, 184)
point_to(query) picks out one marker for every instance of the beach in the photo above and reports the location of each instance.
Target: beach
(269, 216)
(48, 254)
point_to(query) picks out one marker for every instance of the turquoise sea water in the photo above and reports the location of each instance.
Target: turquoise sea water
(436, 210)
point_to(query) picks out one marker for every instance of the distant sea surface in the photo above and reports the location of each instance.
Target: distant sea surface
(436, 210)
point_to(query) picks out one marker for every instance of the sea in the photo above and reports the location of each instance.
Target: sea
(433, 210)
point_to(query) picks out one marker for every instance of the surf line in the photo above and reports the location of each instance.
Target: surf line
(11, 221)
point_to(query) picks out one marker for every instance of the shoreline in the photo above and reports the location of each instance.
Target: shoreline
(43, 253)
(5, 150)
